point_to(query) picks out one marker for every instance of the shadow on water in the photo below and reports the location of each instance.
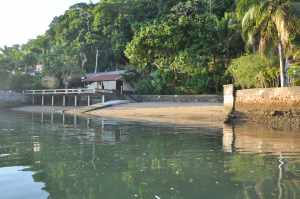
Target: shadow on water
(64, 156)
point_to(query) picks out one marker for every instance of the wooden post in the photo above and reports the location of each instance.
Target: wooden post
(89, 100)
(43, 100)
(75, 101)
(103, 99)
(64, 100)
(52, 100)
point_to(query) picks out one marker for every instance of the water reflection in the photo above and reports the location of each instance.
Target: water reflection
(258, 139)
(254, 146)
(21, 179)
(72, 157)
(101, 129)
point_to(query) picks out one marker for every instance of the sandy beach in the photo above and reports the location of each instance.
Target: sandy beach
(191, 114)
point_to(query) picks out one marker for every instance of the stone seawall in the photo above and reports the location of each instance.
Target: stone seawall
(12, 99)
(268, 100)
(264, 104)
(179, 98)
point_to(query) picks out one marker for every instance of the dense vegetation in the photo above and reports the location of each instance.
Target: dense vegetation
(167, 46)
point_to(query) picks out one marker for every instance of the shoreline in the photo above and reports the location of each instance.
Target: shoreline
(187, 114)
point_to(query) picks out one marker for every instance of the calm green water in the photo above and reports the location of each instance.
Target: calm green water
(60, 157)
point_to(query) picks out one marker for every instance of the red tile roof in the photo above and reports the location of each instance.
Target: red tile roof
(98, 77)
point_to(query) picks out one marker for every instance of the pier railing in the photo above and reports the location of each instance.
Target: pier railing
(66, 91)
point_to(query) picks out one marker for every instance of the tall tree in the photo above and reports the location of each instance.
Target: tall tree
(270, 23)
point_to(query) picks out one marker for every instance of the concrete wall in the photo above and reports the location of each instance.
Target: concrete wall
(263, 102)
(268, 99)
(179, 98)
(228, 99)
(10, 99)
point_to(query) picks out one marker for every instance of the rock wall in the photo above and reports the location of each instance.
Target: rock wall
(264, 104)
(178, 98)
(268, 100)
(11, 99)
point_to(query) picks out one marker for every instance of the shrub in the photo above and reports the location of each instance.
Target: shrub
(4, 80)
(294, 74)
(254, 71)
(20, 82)
(144, 86)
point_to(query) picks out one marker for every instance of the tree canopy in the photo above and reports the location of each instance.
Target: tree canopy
(168, 46)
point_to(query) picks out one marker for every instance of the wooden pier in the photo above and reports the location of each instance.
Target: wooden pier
(66, 92)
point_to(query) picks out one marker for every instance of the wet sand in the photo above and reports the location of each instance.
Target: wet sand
(191, 114)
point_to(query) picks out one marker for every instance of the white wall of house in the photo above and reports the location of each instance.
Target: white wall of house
(110, 85)
(94, 85)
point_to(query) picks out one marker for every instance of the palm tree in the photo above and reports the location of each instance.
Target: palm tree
(271, 23)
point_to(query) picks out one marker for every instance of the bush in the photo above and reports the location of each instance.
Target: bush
(294, 74)
(254, 71)
(50, 82)
(20, 82)
(144, 87)
(4, 80)
(158, 83)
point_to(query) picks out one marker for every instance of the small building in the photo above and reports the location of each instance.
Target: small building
(108, 81)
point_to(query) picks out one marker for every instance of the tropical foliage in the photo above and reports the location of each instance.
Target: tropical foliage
(271, 24)
(254, 71)
(168, 47)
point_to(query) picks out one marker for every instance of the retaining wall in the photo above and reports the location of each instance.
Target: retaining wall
(281, 99)
(266, 102)
(178, 98)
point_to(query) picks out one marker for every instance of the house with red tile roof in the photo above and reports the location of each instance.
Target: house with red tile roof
(113, 80)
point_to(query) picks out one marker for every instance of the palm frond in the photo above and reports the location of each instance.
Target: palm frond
(249, 25)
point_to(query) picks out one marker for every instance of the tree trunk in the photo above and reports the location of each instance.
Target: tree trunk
(96, 65)
(83, 59)
(282, 65)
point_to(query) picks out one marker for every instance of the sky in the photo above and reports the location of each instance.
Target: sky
(21, 20)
